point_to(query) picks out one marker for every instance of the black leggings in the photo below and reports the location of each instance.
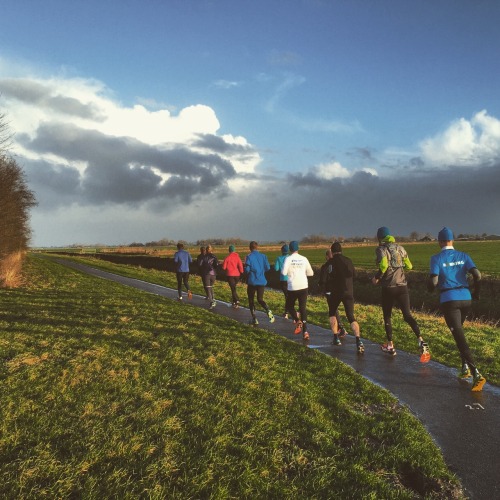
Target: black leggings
(334, 301)
(233, 281)
(182, 278)
(400, 296)
(251, 291)
(455, 312)
(301, 296)
(284, 289)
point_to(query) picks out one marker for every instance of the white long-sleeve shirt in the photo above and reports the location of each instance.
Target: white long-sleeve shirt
(297, 268)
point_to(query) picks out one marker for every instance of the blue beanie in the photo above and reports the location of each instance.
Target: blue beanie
(284, 249)
(231, 248)
(294, 246)
(446, 234)
(382, 232)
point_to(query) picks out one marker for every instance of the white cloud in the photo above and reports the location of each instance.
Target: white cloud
(331, 171)
(465, 142)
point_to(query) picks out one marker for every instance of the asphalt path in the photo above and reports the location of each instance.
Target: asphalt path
(464, 424)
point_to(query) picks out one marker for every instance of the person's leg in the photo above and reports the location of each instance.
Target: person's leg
(210, 280)
(186, 284)
(185, 280)
(232, 280)
(284, 289)
(453, 312)
(333, 304)
(179, 284)
(290, 305)
(302, 297)
(251, 300)
(262, 302)
(387, 304)
(348, 301)
(403, 299)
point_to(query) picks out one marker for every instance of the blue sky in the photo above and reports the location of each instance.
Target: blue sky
(267, 120)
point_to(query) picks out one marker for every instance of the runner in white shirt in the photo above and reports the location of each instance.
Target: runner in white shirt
(297, 268)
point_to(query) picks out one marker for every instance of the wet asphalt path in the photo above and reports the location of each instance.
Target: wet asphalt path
(465, 425)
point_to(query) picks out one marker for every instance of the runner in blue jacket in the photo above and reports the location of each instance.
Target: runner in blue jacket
(448, 273)
(256, 265)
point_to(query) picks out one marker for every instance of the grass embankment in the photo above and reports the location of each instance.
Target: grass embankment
(111, 392)
(483, 338)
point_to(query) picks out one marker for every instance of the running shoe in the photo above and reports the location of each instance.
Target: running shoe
(465, 371)
(360, 347)
(336, 341)
(298, 327)
(270, 315)
(477, 382)
(190, 294)
(305, 336)
(179, 298)
(388, 350)
(425, 354)
(213, 304)
(285, 315)
(342, 332)
(254, 321)
(237, 304)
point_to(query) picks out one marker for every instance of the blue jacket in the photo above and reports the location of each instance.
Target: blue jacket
(256, 264)
(278, 266)
(182, 258)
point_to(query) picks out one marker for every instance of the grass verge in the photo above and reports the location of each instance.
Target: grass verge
(110, 392)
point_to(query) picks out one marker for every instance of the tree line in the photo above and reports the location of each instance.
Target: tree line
(15, 202)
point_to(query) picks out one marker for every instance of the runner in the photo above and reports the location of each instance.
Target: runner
(323, 272)
(256, 265)
(203, 251)
(392, 260)
(297, 268)
(278, 266)
(339, 284)
(182, 259)
(449, 269)
(209, 265)
(234, 267)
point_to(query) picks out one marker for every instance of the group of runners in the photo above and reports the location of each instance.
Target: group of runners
(448, 273)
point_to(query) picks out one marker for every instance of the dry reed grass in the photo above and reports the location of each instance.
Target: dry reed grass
(11, 270)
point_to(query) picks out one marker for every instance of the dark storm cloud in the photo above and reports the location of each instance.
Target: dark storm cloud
(219, 145)
(466, 199)
(54, 184)
(125, 170)
(30, 92)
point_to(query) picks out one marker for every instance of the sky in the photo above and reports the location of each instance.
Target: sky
(267, 120)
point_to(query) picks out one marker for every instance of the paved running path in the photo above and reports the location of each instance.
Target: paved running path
(464, 424)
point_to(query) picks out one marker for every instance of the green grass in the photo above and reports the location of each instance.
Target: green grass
(111, 392)
(484, 254)
(483, 338)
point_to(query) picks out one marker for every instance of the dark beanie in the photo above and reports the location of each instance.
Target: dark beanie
(336, 247)
(382, 232)
(294, 246)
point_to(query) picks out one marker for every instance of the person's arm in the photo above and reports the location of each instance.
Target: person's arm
(309, 269)
(382, 263)
(432, 282)
(476, 276)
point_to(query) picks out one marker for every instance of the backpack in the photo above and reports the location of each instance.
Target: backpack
(396, 256)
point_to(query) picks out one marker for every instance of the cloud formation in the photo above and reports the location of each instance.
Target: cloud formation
(106, 172)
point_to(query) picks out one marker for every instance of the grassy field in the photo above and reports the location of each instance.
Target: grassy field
(485, 254)
(110, 392)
